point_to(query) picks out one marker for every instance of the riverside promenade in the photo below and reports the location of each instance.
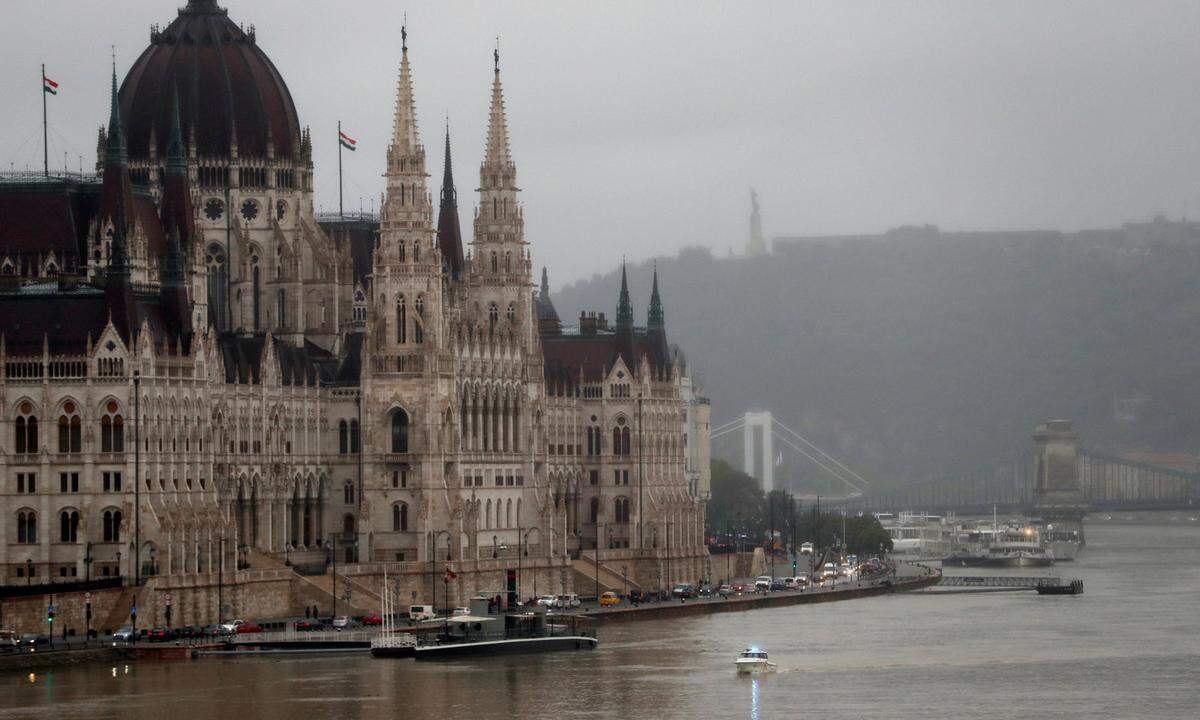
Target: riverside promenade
(907, 577)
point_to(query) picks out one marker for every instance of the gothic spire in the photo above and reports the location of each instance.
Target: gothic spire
(497, 152)
(545, 283)
(655, 318)
(449, 194)
(624, 306)
(405, 139)
(449, 234)
(115, 152)
(176, 150)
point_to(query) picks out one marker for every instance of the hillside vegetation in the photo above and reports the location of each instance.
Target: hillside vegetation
(918, 353)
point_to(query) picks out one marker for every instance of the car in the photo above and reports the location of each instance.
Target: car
(738, 588)
(417, 613)
(371, 619)
(187, 632)
(547, 601)
(160, 634)
(684, 590)
(32, 642)
(461, 612)
(778, 584)
(609, 598)
(762, 583)
(566, 602)
(706, 590)
(806, 548)
(341, 622)
(248, 627)
(125, 634)
(726, 591)
(801, 580)
(789, 583)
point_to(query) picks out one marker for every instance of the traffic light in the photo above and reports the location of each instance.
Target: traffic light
(794, 568)
(50, 614)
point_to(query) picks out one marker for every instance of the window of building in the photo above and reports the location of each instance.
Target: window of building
(594, 477)
(26, 483)
(399, 431)
(401, 319)
(112, 482)
(26, 527)
(594, 512)
(348, 492)
(68, 521)
(26, 430)
(400, 517)
(343, 437)
(68, 482)
(419, 325)
(354, 436)
(110, 521)
(112, 429)
(70, 430)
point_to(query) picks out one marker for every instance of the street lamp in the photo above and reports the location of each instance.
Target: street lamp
(120, 573)
(87, 563)
(28, 571)
(137, 477)
(287, 554)
(153, 561)
(331, 550)
(495, 548)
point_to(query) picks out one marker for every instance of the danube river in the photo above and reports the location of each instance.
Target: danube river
(1128, 648)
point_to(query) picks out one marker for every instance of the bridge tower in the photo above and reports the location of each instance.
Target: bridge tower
(759, 424)
(1057, 496)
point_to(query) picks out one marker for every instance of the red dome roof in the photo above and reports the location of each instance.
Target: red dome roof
(225, 83)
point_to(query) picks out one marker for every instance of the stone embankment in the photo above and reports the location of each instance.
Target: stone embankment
(916, 579)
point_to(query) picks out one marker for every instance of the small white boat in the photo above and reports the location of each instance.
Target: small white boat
(753, 661)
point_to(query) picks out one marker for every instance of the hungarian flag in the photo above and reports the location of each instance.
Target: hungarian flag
(49, 85)
(450, 575)
(347, 142)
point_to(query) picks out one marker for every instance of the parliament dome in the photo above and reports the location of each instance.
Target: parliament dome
(228, 88)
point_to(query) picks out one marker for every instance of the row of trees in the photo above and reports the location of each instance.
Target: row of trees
(740, 512)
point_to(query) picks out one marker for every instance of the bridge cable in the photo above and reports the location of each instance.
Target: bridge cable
(831, 458)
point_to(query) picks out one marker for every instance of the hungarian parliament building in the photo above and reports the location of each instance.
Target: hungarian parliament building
(215, 399)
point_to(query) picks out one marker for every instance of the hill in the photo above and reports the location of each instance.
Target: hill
(916, 352)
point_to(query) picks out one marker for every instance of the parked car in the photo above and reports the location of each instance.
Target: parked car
(160, 634)
(125, 634)
(726, 591)
(706, 590)
(609, 598)
(684, 590)
(566, 602)
(547, 601)
(461, 612)
(372, 619)
(187, 632)
(32, 642)
(801, 580)
(738, 588)
(762, 583)
(248, 627)
(417, 613)
(778, 584)
(9, 642)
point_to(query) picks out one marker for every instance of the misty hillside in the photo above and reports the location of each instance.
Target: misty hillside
(916, 353)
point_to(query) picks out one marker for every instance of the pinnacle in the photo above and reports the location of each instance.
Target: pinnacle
(497, 151)
(405, 137)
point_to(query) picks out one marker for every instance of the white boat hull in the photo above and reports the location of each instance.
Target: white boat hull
(756, 667)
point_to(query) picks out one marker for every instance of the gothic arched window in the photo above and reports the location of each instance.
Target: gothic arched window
(70, 430)
(493, 318)
(26, 430)
(112, 429)
(68, 526)
(27, 527)
(111, 525)
(256, 292)
(511, 313)
(418, 326)
(400, 517)
(343, 437)
(401, 321)
(399, 431)
(495, 262)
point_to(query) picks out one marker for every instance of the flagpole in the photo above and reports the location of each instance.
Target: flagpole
(341, 211)
(45, 132)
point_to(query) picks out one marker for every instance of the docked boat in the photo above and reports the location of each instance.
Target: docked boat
(1063, 544)
(1021, 547)
(753, 661)
(488, 630)
(1075, 587)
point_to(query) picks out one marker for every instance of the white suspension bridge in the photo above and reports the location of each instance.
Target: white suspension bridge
(760, 430)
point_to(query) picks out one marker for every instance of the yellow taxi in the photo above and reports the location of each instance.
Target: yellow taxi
(609, 598)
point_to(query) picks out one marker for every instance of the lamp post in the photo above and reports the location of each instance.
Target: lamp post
(28, 571)
(120, 570)
(331, 549)
(153, 561)
(87, 563)
(598, 524)
(287, 554)
(668, 556)
(523, 550)
(640, 471)
(625, 574)
(137, 477)
(220, 579)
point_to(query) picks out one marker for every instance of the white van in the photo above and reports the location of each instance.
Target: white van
(417, 613)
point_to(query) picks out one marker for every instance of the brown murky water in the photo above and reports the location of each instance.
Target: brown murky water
(1128, 648)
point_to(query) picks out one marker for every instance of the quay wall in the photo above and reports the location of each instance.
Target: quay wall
(665, 610)
(28, 614)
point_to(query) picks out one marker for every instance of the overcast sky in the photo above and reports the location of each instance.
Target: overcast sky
(637, 128)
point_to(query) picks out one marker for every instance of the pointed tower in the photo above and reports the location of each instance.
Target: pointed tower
(448, 232)
(756, 245)
(113, 228)
(624, 306)
(500, 256)
(547, 315)
(656, 331)
(654, 317)
(176, 207)
(407, 267)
